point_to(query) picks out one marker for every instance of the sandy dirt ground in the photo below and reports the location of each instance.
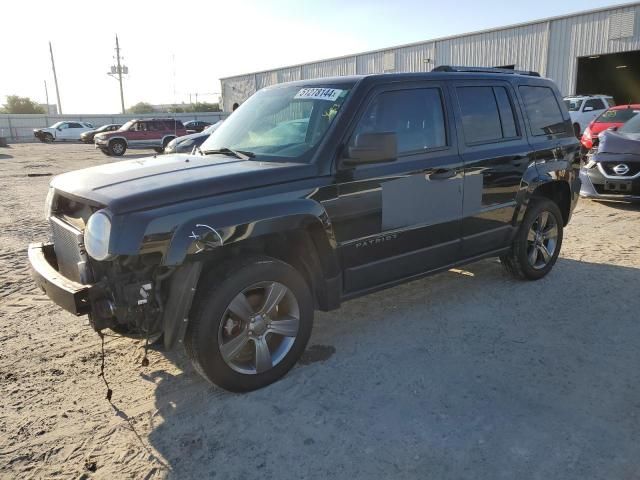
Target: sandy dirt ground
(467, 374)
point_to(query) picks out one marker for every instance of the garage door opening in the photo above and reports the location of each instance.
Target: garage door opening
(616, 74)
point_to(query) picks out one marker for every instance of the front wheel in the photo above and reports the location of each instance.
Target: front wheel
(537, 244)
(47, 138)
(117, 148)
(250, 323)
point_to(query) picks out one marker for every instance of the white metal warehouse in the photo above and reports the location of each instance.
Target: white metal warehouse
(597, 51)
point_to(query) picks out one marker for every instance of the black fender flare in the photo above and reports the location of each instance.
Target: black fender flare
(205, 231)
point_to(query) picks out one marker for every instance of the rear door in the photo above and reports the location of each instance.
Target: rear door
(495, 152)
(402, 218)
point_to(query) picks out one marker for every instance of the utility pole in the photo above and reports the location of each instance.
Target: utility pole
(55, 79)
(119, 73)
(46, 94)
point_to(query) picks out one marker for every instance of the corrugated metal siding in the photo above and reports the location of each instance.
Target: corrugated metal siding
(524, 47)
(417, 58)
(550, 47)
(237, 89)
(582, 36)
(330, 68)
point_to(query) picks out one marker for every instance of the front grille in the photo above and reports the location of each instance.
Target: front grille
(634, 168)
(68, 245)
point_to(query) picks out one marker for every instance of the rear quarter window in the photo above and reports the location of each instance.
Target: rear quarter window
(487, 114)
(542, 110)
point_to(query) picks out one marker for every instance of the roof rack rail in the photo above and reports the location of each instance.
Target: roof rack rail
(450, 68)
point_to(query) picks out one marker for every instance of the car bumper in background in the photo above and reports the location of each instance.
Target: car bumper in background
(70, 295)
(598, 186)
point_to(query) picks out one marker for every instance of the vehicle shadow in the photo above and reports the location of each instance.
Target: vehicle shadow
(4, 156)
(466, 371)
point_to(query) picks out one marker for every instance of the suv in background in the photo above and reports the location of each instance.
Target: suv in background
(313, 193)
(585, 108)
(62, 131)
(196, 126)
(152, 133)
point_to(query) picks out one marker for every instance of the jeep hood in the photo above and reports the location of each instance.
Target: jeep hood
(155, 181)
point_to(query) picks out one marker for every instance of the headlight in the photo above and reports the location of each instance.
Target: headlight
(48, 204)
(96, 236)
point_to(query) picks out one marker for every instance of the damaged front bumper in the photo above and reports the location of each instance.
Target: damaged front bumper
(70, 295)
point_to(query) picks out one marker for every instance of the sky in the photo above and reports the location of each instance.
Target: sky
(174, 49)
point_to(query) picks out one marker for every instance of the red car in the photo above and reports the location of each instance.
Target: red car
(153, 133)
(612, 117)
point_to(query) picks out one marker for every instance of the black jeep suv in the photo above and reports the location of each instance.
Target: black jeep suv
(312, 193)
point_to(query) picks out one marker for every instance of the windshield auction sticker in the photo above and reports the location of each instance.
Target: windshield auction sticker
(330, 94)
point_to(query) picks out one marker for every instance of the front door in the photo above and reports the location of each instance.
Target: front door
(401, 218)
(496, 153)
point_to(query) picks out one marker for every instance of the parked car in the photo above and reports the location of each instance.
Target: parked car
(612, 169)
(62, 131)
(187, 143)
(396, 177)
(153, 133)
(87, 137)
(196, 126)
(585, 108)
(612, 117)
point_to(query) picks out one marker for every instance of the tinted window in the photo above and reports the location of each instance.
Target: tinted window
(595, 103)
(543, 110)
(75, 125)
(573, 105)
(505, 108)
(632, 126)
(487, 114)
(415, 115)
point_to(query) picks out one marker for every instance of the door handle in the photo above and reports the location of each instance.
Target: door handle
(442, 174)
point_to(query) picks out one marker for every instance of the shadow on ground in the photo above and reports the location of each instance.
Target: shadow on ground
(461, 375)
(5, 156)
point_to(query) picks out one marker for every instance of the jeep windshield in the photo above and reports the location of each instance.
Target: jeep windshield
(279, 122)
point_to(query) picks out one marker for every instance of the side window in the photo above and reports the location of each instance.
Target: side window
(416, 116)
(543, 110)
(487, 114)
(63, 126)
(594, 103)
(75, 125)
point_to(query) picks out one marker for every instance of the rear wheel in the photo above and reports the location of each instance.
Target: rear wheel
(250, 323)
(117, 148)
(537, 244)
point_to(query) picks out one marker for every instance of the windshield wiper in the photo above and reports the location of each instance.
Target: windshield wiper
(242, 155)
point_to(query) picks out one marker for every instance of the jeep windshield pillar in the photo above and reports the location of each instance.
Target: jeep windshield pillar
(311, 193)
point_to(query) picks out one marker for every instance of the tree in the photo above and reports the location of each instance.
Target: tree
(16, 104)
(141, 107)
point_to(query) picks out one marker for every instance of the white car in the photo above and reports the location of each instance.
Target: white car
(585, 108)
(62, 131)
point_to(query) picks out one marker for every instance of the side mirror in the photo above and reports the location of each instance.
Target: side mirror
(375, 147)
(587, 109)
(59, 129)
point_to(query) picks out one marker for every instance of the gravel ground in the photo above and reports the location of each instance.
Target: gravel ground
(466, 374)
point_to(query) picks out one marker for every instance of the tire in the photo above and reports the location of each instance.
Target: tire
(576, 130)
(165, 142)
(158, 149)
(527, 258)
(213, 326)
(47, 138)
(105, 151)
(117, 148)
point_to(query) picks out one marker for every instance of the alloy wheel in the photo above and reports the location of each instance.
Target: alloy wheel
(542, 240)
(259, 327)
